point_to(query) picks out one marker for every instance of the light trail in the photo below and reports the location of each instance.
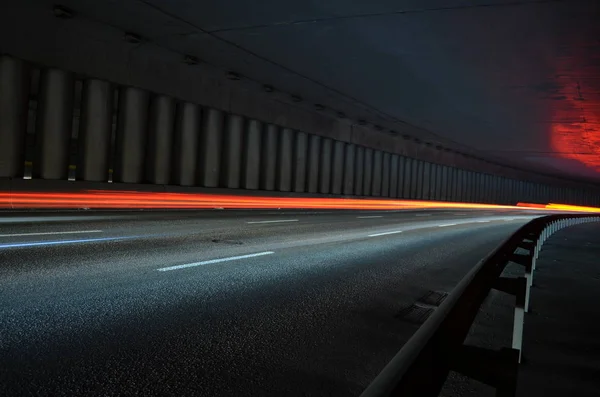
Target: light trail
(98, 199)
(558, 207)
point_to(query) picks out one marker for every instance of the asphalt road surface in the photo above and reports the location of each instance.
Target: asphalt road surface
(222, 303)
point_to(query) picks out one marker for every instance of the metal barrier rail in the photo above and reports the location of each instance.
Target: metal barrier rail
(421, 367)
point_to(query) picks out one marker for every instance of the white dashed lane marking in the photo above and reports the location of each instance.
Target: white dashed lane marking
(277, 221)
(50, 233)
(385, 233)
(209, 262)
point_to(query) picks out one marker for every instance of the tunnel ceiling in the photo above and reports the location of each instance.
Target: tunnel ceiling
(514, 81)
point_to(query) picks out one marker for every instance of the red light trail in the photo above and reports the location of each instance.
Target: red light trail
(97, 199)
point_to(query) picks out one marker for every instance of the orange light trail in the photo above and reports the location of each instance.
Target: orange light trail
(558, 207)
(98, 199)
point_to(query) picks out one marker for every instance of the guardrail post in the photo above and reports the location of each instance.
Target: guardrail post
(529, 282)
(519, 317)
(516, 286)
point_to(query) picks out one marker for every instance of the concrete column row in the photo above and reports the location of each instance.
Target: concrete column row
(160, 140)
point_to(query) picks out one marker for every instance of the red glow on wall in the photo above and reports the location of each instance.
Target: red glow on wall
(575, 109)
(576, 136)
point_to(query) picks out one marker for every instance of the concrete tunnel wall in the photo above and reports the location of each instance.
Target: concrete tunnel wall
(56, 125)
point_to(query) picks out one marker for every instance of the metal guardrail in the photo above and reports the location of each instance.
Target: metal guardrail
(421, 367)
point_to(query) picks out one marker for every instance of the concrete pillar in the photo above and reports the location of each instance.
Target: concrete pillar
(54, 120)
(325, 166)
(496, 187)
(520, 191)
(337, 175)
(377, 173)
(394, 175)
(232, 151)
(385, 175)
(300, 157)
(499, 189)
(559, 194)
(435, 187)
(452, 180)
(446, 184)
(413, 169)
(426, 187)
(417, 180)
(368, 172)
(462, 185)
(251, 158)
(482, 188)
(455, 184)
(209, 157)
(359, 170)
(132, 128)
(434, 182)
(314, 157)
(472, 190)
(95, 128)
(188, 124)
(476, 187)
(513, 192)
(349, 166)
(284, 160)
(437, 172)
(470, 187)
(543, 196)
(408, 175)
(401, 176)
(498, 192)
(14, 106)
(268, 164)
(160, 136)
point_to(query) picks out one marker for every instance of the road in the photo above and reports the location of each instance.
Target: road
(221, 303)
